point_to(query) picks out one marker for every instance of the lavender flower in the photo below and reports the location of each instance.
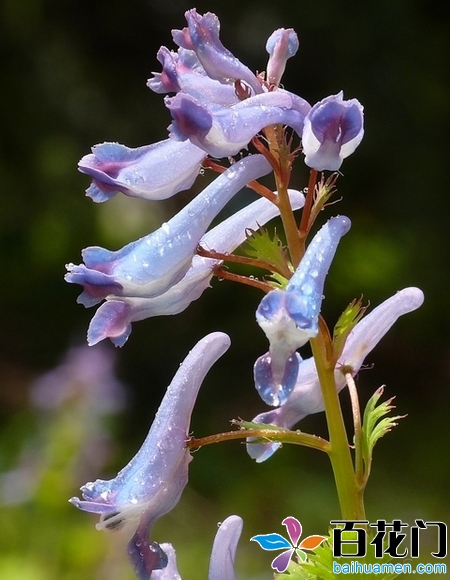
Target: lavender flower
(154, 172)
(281, 45)
(182, 72)
(152, 482)
(223, 553)
(223, 131)
(289, 317)
(306, 397)
(113, 319)
(333, 130)
(154, 263)
(202, 36)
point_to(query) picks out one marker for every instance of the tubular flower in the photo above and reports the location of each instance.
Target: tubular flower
(154, 172)
(223, 554)
(152, 483)
(182, 72)
(281, 45)
(151, 265)
(289, 317)
(224, 131)
(333, 130)
(114, 318)
(202, 36)
(306, 397)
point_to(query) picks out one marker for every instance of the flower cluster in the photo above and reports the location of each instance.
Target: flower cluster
(221, 110)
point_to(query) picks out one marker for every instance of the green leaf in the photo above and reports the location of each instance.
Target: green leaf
(376, 424)
(261, 246)
(319, 565)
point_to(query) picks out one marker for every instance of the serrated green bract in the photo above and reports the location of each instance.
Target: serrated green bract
(345, 324)
(375, 426)
(261, 246)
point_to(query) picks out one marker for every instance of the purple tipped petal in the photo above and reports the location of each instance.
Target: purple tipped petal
(221, 566)
(202, 36)
(154, 263)
(155, 171)
(113, 318)
(182, 72)
(273, 388)
(309, 278)
(170, 572)
(281, 562)
(146, 556)
(152, 482)
(289, 317)
(224, 131)
(294, 529)
(333, 129)
(306, 398)
(281, 45)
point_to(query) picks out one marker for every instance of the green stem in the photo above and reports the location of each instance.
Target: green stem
(288, 219)
(359, 472)
(350, 500)
(269, 434)
(309, 201)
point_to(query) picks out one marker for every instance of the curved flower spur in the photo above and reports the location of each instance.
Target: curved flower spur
(306, 396)
(152, 482)
(290, 317)
(151, 265)
(114, 317)
(221, 566)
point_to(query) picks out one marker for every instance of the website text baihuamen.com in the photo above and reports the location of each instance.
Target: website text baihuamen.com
(355, 567)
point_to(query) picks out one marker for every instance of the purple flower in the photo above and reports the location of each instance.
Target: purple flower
(155, 171)
(223, 131)
(114, 318)
(182, 72)
(289, 317)
(151, 265)
(202, 36)
(152, 482)
(281, 45)
(333, 130)
(306, 397)
(223, 553)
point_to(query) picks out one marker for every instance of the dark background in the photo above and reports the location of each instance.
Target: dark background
(73, 74)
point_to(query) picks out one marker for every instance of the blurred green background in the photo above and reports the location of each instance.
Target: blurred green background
(73, 74)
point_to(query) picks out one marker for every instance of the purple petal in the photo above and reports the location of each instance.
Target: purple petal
(332, 131)
(281, 562)
(289, 317)
(182, 72)
(306, 398)
(202, 36)
(294, 529)
(273, 388)
(152, 482)
(224, 131)
(145, 556)
(281, 45)
(154, 263)
(113, 318)
(155, 171)
(221, 566)
(170, 572)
